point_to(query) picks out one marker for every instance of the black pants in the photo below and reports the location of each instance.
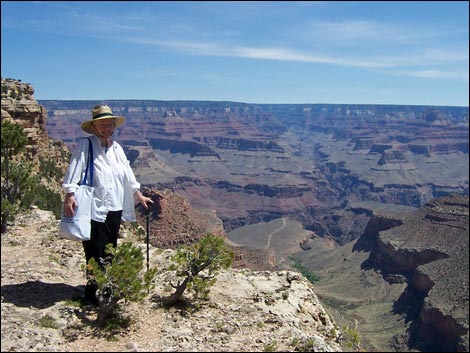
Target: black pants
(102, 233)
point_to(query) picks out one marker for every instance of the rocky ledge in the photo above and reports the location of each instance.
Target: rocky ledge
(247, 311)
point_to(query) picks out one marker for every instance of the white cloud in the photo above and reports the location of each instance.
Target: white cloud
(425, 59)
(434, 74)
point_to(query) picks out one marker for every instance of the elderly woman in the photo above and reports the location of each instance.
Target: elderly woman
(115, 187)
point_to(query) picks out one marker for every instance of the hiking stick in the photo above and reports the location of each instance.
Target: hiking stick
(147, 240)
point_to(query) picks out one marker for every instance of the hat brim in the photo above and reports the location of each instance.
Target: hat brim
(87, 126)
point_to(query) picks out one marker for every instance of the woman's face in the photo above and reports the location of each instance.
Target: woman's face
(105, 127)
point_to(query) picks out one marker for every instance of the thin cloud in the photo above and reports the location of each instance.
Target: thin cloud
(366, 30)
(285, 54)
(105, 24)
(280, 54)
(434, 74)
(76, 24)
(292, 55)
(348, 30)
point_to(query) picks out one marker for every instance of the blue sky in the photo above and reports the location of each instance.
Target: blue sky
(353, 52)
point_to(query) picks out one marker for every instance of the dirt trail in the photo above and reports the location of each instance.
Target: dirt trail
(274, 232)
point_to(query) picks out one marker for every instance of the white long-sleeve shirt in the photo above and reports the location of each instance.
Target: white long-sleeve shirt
(113, 179)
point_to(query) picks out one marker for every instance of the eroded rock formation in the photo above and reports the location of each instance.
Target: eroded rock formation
(20, 107)
(429, 248)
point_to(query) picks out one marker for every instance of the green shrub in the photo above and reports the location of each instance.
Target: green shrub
(120, 276)
(48, 322)
(351, 338)
(16, 180)
(43, 197)
(304, 345)
(198, 266)
(312, 277)
(270, 347)
(48, 169)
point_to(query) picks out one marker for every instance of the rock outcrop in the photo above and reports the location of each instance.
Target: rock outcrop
(404, 282)
(173, 222)
(20, 107)
(429, 248)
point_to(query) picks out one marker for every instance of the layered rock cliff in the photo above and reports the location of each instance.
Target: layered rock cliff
(256, 162)
(430, 249)
(404, 282)
(19, 106)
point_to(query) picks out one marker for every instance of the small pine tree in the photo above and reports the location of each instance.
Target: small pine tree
(198, 265)
(120, 276)
(20, 187)
(16, 176)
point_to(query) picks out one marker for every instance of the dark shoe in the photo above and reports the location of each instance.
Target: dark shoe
(91, 301)
(90, 293)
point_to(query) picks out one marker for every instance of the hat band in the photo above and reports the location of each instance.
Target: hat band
(101, 115)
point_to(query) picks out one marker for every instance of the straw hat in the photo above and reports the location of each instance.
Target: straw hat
(101, 112)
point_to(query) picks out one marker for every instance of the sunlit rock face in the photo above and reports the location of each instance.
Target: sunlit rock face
(20, 107)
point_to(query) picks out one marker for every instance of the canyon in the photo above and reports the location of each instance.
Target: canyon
(371, 199)
(326, 166)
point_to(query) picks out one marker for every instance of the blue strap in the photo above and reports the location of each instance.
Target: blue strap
(89, 163)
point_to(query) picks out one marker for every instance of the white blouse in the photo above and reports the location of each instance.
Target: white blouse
(113, 179)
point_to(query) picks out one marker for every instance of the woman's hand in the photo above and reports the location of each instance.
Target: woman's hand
(70, 204)
(143, 200)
